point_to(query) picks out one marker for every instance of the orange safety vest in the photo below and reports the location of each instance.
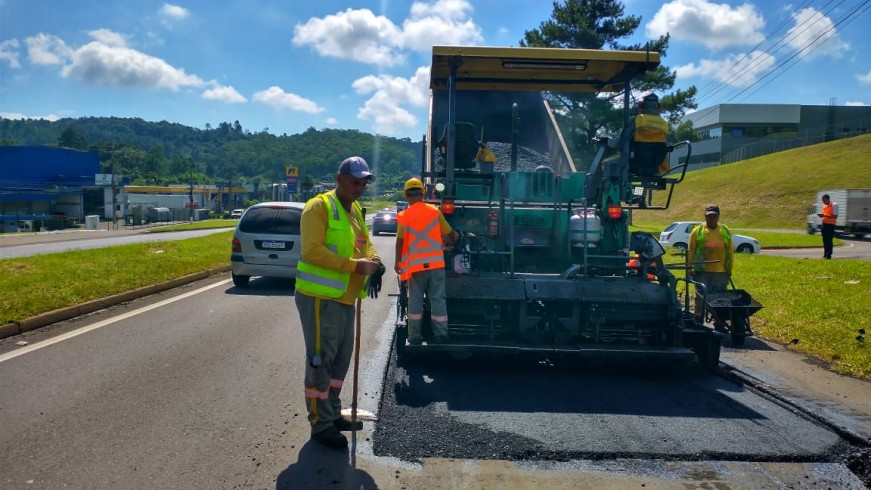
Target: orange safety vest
(422, 245)
(827, 210)
(634, 268)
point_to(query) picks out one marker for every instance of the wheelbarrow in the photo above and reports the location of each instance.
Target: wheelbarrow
(730, 311)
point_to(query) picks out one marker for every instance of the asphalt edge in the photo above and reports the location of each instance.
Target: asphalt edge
(746, 379)
(61, 314)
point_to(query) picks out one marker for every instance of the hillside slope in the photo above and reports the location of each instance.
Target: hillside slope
(772, 191)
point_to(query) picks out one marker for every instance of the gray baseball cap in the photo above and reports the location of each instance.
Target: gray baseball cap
(356, 167)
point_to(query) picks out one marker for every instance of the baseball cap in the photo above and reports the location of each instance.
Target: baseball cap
(357, 167)
(712, 210)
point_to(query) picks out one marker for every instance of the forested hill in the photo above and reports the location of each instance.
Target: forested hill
(164, 152)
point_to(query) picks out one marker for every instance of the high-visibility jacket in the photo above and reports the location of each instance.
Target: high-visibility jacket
(650, 128)
(340, 239)
(829, 209)
(634, 268)
(701, 232)
(422, 242)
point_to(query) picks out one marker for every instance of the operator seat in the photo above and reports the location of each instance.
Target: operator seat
(645, 157)
(466, 145)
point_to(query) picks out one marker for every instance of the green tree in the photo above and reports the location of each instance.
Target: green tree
(70, 138)
(601, 24)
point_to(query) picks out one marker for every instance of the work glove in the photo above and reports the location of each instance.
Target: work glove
(375, 281)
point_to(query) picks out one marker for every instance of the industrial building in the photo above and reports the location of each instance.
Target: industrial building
(733, 132)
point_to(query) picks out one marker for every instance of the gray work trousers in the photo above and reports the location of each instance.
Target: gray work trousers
(333, 322)
(431, 282)
(714, 282)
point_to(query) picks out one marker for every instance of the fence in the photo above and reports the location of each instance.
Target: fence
(773, 145)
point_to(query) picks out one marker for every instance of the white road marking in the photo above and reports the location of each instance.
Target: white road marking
(80, 331)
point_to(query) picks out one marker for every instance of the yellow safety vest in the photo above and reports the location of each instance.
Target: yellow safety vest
(340, 239)
(699, 256)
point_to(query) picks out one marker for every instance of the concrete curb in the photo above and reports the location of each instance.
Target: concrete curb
(59, 315)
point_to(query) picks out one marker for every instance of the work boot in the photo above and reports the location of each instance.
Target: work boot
(331, 437)
(345, 424)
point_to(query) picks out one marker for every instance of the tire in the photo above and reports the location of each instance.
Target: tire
(738, 339)
(240, 281)
(680, 246)
(859, 235)
(745, 248)
(375, 233)
(810, 229)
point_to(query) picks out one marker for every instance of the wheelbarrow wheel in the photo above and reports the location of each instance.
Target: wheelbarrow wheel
(738, 339)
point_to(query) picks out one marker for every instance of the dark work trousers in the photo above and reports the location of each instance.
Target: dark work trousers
(828, 233)
(328, 329)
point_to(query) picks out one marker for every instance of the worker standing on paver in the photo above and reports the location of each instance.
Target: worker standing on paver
(420, 233)
(336, 259)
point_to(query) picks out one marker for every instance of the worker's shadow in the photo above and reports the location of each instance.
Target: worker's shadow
(318, 466)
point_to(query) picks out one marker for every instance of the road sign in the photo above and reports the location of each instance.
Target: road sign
(291, 171)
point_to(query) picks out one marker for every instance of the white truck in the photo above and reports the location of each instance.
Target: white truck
(854, 211)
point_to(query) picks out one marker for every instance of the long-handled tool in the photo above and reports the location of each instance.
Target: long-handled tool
(355, 413)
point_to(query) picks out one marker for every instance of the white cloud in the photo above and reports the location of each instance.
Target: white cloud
(814, 35)
(9, 53)
(174, 11)
(866, 78)
(362, 36)
(45, 49)
(736, 70)
(224, 94)
(18, 115)
(716, 26)
(357, 35)
(108, 37)
(855, 103)
(279, 99)
(389, 94)
(445, 22)
(102, 64)
(332, 121)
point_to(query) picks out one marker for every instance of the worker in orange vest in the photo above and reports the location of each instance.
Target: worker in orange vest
(634, 267)
(420, 232)
(829, 216)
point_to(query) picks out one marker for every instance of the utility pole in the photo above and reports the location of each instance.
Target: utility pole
(191, 190)
(114, 197)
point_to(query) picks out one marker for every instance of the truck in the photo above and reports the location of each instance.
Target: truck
(545, 263)
(854, 212)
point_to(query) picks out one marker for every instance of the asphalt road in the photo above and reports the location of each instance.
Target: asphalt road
(200, 387)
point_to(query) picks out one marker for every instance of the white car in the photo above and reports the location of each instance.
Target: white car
(677, 235)
(236, 213)
(267, 242)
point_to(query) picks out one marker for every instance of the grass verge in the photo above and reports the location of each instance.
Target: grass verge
(33, 285)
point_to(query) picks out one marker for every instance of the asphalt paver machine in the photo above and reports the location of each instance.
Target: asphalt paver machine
(545, 263)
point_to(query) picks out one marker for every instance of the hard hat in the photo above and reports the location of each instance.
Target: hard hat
(413, 183)
(650, 103)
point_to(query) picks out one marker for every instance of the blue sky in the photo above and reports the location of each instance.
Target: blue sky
(285, 66)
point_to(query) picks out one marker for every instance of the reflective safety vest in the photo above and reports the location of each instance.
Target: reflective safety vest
(701, 232)
(650, 128)
(340, 240)
(634, 268)
(827, 210)
(422, 243)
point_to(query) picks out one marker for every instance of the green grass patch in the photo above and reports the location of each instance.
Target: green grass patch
(767, 239)
(823, 303)
(33, 285)
(197, 225)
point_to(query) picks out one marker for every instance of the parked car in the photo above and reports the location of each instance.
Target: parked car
(401, 206)
(266, 242)
(677, 235)
(384, 222)
(236, 213)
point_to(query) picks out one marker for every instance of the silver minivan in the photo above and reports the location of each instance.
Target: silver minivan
(266, 242)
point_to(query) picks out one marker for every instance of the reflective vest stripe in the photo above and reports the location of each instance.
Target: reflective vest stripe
(415, 316)
(336, 383)
(323, 281)
(440, 319)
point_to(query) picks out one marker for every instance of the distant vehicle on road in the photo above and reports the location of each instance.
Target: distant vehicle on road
(236, 213)
(677, 235)
(266, 242)
(384, 222)
(401, 206)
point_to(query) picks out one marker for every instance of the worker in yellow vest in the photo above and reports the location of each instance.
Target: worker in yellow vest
(829, 216)
(338, 266)
(711, 256)
(421, 232)
(646, 127)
